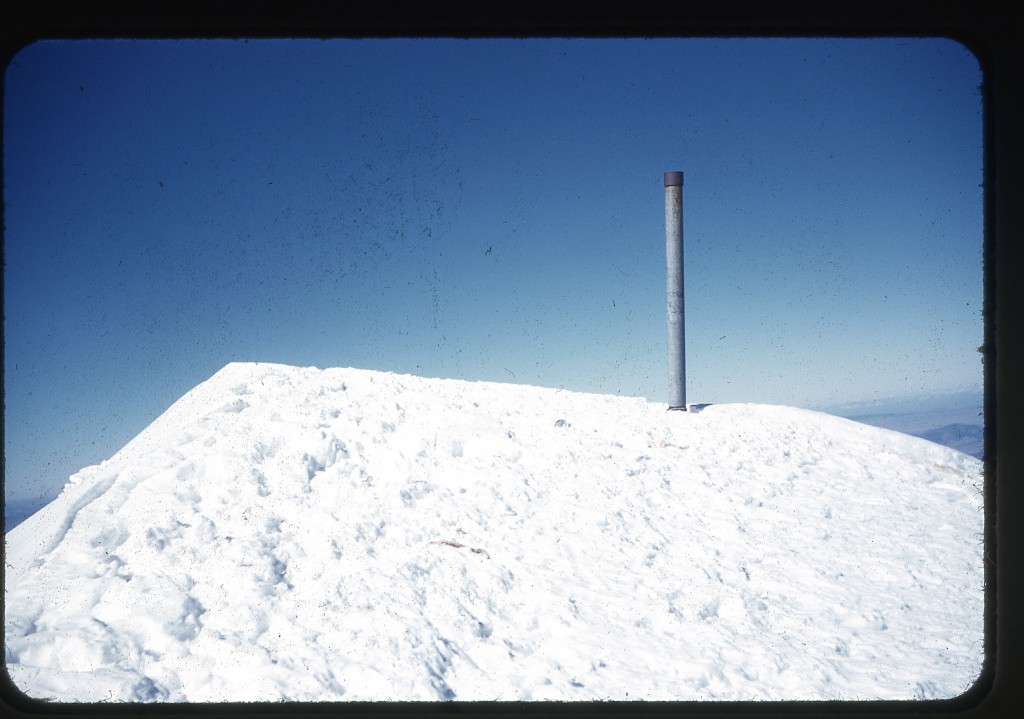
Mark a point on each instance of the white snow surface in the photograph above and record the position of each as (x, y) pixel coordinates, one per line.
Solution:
(300, 534)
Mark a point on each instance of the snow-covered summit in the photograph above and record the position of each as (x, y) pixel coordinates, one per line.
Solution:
(342, 534)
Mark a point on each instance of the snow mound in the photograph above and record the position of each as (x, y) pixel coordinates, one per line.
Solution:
(301, 534)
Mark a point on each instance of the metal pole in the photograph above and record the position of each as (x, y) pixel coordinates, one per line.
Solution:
(674, 277)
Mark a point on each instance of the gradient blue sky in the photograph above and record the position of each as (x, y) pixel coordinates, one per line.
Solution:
(485, 209)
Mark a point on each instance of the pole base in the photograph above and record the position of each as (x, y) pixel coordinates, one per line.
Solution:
(683, 408)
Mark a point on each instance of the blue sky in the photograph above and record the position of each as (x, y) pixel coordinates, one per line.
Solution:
(485, 209)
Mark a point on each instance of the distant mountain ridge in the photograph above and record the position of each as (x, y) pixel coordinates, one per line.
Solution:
(17, 511)
(966, 438)
(953, 428)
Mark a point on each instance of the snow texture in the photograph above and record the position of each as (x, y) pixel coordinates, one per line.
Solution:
(301, 534)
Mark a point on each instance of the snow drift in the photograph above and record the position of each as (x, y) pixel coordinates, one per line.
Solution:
(303, 534)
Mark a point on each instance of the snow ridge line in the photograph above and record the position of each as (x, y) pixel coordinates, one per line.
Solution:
(90, 495)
